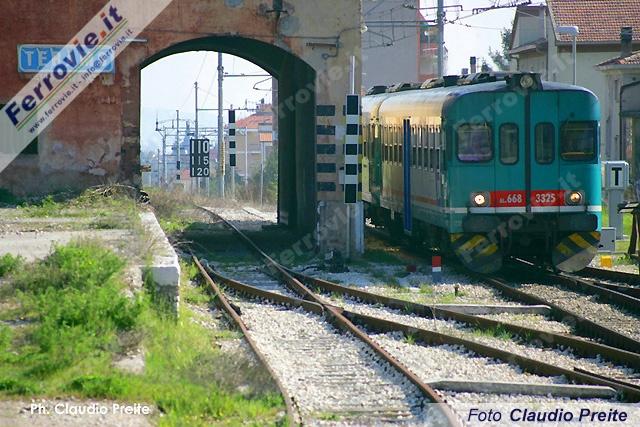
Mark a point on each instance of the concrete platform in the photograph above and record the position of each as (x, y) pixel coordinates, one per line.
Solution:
(479, 310)
(558, 390)
(164, 267)
(33, 245)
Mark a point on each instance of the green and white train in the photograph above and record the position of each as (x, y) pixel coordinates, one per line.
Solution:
(491, 165)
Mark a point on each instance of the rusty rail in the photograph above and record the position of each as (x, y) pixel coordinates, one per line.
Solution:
(549, 339)
(336, 317)
(630, 392)
(293, 415)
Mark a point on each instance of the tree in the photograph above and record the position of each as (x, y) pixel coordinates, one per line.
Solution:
(501, 57)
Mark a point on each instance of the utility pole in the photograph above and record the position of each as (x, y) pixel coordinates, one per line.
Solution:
(221, 150)
(440, 38)
(246, 158)
(178, 145)
(159, 179)
(195, 133)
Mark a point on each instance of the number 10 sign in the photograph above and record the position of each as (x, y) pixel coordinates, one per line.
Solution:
(199, 158)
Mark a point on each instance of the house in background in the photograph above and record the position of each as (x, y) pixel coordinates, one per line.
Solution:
(399, 44)
(622, 75)
(537, 46)
(254, 141)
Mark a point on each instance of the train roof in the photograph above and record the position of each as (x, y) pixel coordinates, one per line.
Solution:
(432, 102)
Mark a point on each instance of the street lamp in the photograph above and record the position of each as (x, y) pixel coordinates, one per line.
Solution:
(573, 31)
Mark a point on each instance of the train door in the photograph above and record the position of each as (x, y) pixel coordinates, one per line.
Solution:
(543, 182)
(510, 171)
(406, 173)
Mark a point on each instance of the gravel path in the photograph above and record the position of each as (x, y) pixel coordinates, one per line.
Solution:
(558, 357)
(589, 307)
(329, 373)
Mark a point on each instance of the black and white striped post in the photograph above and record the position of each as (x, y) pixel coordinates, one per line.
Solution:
(353, 175)
(232, 150)
(352, 185)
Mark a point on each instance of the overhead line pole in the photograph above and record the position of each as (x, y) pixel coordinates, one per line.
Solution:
(221, 151)
(440, 38)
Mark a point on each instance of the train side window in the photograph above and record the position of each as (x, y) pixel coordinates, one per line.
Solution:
(394, 157)
(398, 145)
(383, 142)
(545, 143)
(419, 160)
(432, 157)
(414, 146)
(509, 143)
(475, 143)
(392, 145)
(423, 144)
(578, 140)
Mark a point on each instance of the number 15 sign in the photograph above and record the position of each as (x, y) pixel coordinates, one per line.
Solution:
(199, 158)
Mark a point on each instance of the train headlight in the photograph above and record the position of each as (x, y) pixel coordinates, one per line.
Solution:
(480, 199)
(526, 81)
(574, 198)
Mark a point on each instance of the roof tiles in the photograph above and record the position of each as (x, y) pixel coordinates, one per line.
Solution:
(598, 20)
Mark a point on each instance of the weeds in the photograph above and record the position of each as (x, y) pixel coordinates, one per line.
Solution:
(10, 263)
(81, 317)
(337, 297)
(497, 332)
(426, 289)
(410, 339)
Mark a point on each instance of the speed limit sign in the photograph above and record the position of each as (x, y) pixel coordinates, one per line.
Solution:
(199, 158)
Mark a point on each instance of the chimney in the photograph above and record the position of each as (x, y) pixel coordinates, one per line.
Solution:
(626, 39)
(473, 62)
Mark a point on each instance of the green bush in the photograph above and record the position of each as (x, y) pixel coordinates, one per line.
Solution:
(95, 386)
(77, 299)
(79, 265)
(9, 264)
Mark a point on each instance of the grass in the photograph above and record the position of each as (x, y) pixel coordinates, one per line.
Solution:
(410, 339)
(81, 320)
(497, 332)
(9, 264)
(426, 289)
(112, 208)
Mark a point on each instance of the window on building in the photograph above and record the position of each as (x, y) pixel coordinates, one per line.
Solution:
(545, 143)
(578, 140)
(475, 143)
(509, 143)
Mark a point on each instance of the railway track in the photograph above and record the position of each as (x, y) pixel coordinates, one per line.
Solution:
(341, 355)
(619, 281)
(297, 286)
(610, 312)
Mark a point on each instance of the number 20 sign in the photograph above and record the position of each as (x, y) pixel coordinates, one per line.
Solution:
(199, 158)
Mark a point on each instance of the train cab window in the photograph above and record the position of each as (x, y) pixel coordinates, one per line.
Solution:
(545, 143)
(509, 143)
(578, 140)
(475, 143)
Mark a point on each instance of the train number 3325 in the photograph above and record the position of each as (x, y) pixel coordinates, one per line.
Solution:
(545, 198)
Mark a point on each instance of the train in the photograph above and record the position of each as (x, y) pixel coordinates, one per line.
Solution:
(487, 166)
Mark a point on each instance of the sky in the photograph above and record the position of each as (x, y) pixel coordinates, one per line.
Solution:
(168, 84)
